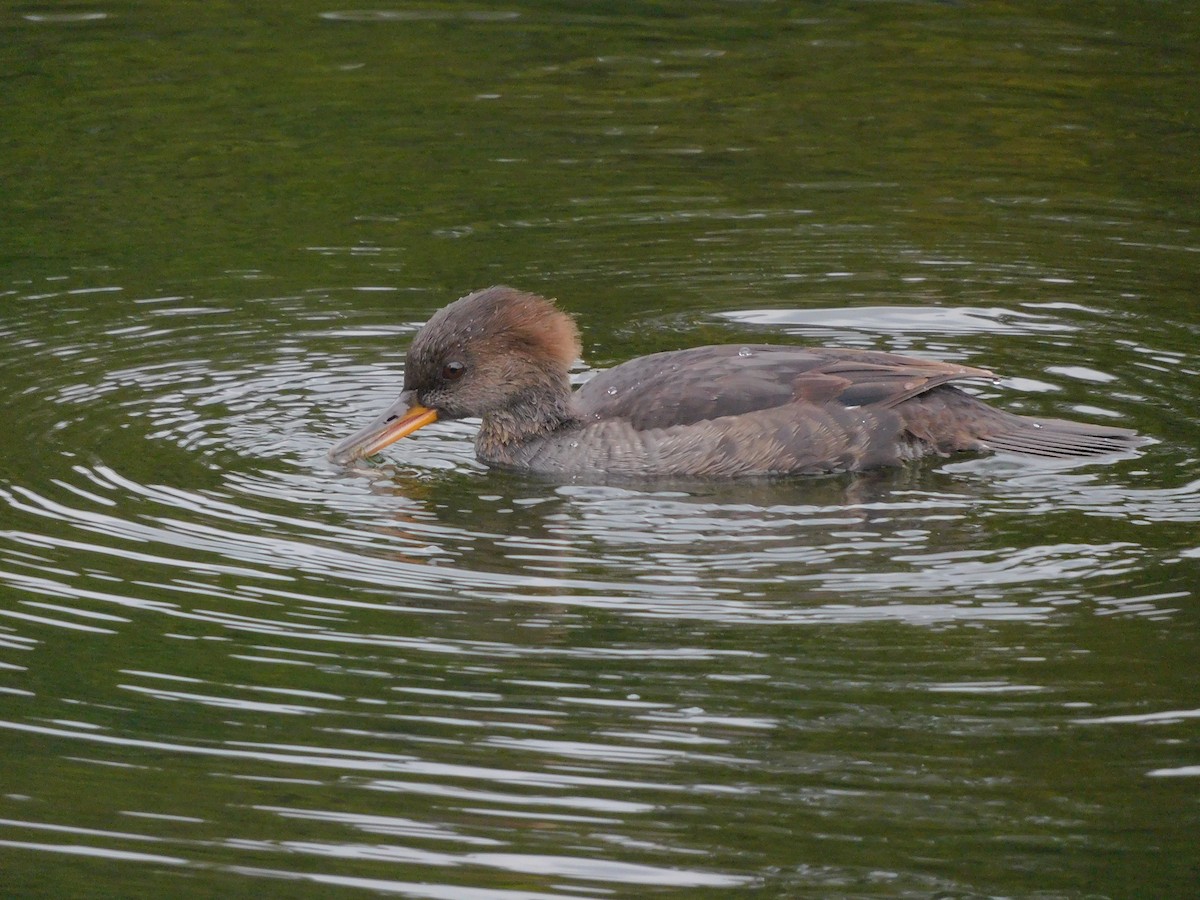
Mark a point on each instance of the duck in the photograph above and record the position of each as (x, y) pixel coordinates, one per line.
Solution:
(504, 356)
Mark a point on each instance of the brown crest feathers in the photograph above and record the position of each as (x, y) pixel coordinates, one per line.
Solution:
(523, 318)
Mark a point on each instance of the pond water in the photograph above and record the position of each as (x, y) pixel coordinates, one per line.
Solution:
(228, 666)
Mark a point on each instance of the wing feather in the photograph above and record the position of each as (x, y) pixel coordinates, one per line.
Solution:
(683, 387)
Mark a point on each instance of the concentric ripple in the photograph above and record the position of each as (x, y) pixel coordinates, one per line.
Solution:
(418, 663)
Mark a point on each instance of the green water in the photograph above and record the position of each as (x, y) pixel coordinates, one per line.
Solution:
(229, 667)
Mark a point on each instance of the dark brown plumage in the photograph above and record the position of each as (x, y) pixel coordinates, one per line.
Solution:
(724, 411)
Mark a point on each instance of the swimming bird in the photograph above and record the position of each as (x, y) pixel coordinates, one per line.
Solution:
(504, 356)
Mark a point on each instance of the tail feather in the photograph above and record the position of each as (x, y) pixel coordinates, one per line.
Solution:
(947, 420)
(1059, 438)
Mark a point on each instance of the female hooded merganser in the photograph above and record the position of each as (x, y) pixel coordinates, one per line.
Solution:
(504, 356)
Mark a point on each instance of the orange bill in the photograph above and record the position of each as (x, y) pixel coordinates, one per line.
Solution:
(399, 420)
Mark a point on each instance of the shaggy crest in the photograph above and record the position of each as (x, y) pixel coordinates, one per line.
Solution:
(506, 319)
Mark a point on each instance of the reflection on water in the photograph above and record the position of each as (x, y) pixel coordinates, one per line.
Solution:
(921, 320)
(227, 665)
(424, 667)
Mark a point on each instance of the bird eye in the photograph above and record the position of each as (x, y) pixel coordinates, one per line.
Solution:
(452, 371)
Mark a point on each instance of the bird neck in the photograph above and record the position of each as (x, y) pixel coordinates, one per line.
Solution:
(534, 413)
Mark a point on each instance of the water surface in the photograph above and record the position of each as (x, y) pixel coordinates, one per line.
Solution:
(227, 665)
